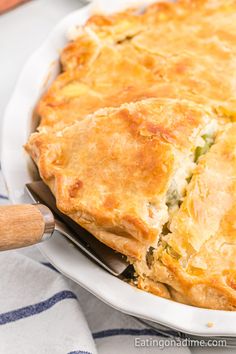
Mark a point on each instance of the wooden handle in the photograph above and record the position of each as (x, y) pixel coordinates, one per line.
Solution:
(24, 225)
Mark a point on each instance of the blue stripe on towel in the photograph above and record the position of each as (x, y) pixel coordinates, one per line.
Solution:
(79, 352)
(50, 266)
(35, 309)
(127, 332)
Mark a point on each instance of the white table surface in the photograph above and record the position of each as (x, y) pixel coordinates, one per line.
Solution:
(21, 33)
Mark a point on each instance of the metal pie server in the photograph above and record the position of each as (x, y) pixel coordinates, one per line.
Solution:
(27, 224)
(112, 261)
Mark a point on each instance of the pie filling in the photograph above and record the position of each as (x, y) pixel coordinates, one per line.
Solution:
(183, 175)
(177, 190)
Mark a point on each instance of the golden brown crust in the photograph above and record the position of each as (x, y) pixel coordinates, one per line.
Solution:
(184, 50)
(137, 90)
(111, 171)
(153, 287)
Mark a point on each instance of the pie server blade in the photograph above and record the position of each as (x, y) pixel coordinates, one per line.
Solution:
(112, 261)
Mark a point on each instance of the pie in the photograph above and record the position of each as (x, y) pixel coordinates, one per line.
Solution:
(137, 141)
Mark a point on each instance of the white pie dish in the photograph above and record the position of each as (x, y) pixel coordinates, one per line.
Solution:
(17, 170)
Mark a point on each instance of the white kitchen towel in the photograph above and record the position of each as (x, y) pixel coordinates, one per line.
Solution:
(42, 312)
(38, 311)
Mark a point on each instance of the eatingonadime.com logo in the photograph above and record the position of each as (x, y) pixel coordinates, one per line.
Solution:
(178, 342)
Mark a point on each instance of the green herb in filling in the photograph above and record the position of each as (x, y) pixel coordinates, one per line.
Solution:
(201, 150)
(170, 250)
(150, 257)
(172, 197)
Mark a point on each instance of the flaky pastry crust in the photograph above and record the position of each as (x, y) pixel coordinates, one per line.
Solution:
(111, 171)
(137, 142)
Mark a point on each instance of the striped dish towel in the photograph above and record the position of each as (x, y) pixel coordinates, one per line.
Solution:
(42, 312)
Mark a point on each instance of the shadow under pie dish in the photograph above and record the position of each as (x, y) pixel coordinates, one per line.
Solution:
(140, 151)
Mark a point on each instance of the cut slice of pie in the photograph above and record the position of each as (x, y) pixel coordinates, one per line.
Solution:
(115, 172)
